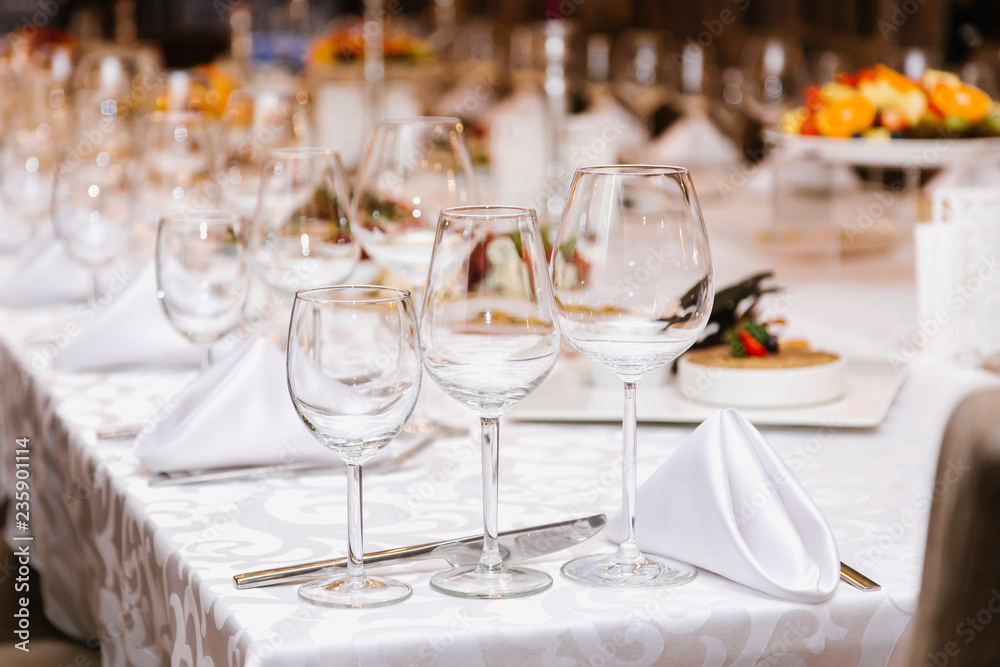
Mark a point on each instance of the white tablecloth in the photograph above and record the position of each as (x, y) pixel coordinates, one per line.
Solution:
(146, 572)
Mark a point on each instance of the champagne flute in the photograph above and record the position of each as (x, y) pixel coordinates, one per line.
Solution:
(490, 337)
(301, 233)
(257, 120)
(412, 168)
(93, 206)
(632, 277)
(201, 274)
(354, 376)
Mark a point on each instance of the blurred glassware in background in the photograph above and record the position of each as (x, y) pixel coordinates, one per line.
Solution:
(93, 207)
(258, 120)
(413, 168)
(36, 133)
(773, 75)
(643, 74)
(300, 235)
(177, 165)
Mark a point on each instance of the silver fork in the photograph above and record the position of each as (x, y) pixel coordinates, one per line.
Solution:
(432, 433)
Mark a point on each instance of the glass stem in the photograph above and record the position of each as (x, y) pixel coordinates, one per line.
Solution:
(490, 561)
(628, 553)
(95, 284)
(355, 539)
(206, 356)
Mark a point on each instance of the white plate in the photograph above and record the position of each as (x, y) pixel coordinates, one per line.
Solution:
(568, 396)
(922, 153)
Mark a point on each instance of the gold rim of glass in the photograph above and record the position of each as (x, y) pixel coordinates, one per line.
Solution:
(489, 212)
(634, 170)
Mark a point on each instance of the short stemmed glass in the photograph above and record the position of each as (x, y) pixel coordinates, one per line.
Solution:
(301, 233)
(354, 376)
(632, 278)
(93, 206)
(490, 337)
(412, 168)
(201, 274)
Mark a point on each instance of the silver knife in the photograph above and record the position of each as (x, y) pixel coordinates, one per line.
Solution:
(515, 546)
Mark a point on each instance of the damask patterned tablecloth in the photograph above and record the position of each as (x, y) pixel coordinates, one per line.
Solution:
(147, 572)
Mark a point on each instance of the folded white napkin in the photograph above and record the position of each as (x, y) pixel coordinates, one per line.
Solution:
(725, 502)
(235, 413)
(41, 273)
(128, 329)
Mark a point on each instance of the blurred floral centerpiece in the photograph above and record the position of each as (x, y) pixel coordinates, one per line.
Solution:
(335, 78)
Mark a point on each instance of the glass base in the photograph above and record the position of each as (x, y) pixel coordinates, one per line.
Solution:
(345, 593)
(600, 571)
(511, 582)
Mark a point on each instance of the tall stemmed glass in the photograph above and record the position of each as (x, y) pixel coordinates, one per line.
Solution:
(93, 206)
(632, 277)
(490, 337)
(201, 274)
(412, 168)
(354, 376)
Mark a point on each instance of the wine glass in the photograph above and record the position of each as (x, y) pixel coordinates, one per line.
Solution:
(490, 337)
(178, 163)
(201, 274)
(34, 137)
(257, 120)
(632, 277)
(642, 74)
(354, 376)
(93, 205)
(773, 70)
(412, 168)
(301, 234)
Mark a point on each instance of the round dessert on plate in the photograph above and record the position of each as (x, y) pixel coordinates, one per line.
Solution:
(793, 376)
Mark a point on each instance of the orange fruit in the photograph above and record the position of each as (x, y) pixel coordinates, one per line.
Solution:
(846, 117)
(965, 101)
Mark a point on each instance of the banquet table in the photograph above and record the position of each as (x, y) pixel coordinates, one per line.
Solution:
(146, 572)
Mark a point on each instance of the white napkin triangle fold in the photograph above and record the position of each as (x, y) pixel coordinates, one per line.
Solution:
(41, 273)
(128, 329)
(235, 413)
(724, 501)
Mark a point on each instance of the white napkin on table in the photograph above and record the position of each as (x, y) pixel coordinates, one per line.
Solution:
(131, 330)
(41, 273)
(725, 502)
(235, 413)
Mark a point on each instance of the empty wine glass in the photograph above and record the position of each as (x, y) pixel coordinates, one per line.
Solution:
(642, 73)
(412, 168)
(773, 70)
(178, 164)
(34, 137)
(489, 337)
(257, 120)
(93, 205)
(201, 274)
(354, 376)
(632, 278)
(301, 233)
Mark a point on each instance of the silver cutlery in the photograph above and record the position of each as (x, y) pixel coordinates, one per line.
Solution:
(856, 579)
(430, 435)
(515, 546)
